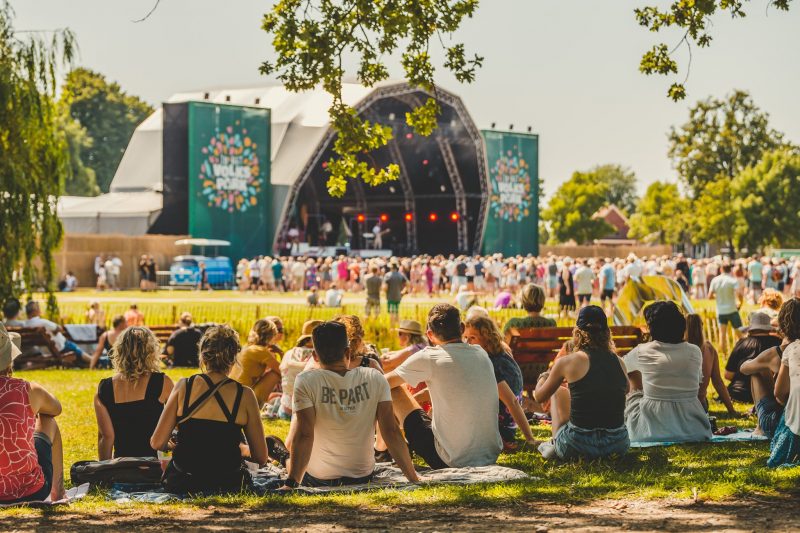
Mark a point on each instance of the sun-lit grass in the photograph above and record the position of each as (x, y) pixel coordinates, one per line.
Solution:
(715, 471)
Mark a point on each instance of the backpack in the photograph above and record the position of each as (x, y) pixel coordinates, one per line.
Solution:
(133, 470)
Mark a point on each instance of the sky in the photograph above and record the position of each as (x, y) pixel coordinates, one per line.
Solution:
(567, 68)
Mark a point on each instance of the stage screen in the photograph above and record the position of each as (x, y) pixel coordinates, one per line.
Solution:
(229, 177)
(512, 221)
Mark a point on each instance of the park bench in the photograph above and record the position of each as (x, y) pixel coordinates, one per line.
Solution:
(534, 349)
(32, 358)
(162, 332)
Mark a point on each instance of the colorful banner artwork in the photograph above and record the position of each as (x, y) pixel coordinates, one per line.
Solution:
(512, 222)
(229, 176)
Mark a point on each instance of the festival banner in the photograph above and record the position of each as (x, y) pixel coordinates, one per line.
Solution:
(512, 221)
(229, 177)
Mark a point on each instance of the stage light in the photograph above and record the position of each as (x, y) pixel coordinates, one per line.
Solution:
(409, 135)
(391, 116)
(324, 164)
(454, 216)
(409, 217)
(384, 217)
(424, 162)
(433, 217)
(360, 217)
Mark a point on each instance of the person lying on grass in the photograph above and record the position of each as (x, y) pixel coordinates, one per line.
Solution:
(335, 409)
(31, 455)
(785, 446)
(463, 391)
(588, 419)
(256, 366)
(129, 403)
(211, 411)
(665, 377)
(485, 333)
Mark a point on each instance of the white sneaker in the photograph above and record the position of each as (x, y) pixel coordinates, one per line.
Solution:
(548, 450)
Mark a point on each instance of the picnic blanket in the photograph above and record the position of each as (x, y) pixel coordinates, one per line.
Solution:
(740, 436)
(268, 479)
(75, 493)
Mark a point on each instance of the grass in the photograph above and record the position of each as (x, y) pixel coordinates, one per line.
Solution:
(715, 471)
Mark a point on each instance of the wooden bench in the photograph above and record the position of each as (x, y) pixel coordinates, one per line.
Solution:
(534, 349)
(162, 333)
(32, 358)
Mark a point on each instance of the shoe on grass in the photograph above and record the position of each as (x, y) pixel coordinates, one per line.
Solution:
(548, 450)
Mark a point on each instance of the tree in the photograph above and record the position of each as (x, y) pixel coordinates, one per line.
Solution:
(768, 201)
(109, 116)
(311, 37)
(660, 215)
(572, 207)
(714, 214)
(81, 180)
(34, 159)
(721, 138)
(621, 186)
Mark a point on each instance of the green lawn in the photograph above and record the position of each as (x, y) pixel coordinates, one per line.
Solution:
(715, 471)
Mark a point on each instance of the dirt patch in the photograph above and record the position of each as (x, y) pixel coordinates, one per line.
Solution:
(603, 515)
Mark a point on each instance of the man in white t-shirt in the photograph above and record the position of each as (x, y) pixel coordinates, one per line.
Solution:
(460, 377)
(336, 408)
(584, 277)
(729, 298)
(62, 344)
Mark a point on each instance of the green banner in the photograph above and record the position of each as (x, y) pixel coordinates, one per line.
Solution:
(512, 221)
(229, 177)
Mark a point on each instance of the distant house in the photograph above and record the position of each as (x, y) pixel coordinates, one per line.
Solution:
(615, 218)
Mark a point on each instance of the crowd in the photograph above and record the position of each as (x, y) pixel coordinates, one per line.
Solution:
(452, 395)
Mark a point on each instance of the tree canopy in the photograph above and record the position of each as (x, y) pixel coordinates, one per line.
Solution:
(721, 138)
(660, 215)
(34, 157)
(108, 116)
(570, 212)
(621, 186)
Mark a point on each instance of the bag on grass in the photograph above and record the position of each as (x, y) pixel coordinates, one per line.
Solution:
(133, 470)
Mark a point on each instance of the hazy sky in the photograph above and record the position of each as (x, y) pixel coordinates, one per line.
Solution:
(569, 68)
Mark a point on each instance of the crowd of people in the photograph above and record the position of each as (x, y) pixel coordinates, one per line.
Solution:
(452, 395)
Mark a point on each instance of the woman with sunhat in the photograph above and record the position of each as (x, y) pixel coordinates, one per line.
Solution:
(589, 421)
(31, 456)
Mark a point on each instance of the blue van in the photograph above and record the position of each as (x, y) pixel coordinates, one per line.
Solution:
(185, 271)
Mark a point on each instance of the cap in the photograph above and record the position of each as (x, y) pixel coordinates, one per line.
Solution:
(9, 347)
(592, 317)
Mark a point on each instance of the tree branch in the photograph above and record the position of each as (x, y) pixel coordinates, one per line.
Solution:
(152, 10)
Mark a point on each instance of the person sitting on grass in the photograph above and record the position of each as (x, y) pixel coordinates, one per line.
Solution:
(533, 299)
(293, 362)
(274, 347)
(336, 407)
(256, 366)
(106, 341)
(210, 411)
(763, 369)
(181, 347)
(31, 455)
(464, 428)
(711, 373)
(665, 376)
(485, 333)
(587, 419)
(785, 446)
(129, 404)
(412, 339)
(770, 303)
(759, 338)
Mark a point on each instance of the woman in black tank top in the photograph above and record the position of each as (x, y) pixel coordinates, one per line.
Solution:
(211, 411)
(589, 419)
(128, 414)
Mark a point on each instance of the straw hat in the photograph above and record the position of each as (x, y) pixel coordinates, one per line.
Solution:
(9, 347)
(305, 333)
(410, 326)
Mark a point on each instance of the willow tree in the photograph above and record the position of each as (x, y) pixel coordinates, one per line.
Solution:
(34, 157)
(311, 38)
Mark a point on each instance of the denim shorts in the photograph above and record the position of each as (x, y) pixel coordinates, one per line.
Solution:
(573, 442)
(769, 413)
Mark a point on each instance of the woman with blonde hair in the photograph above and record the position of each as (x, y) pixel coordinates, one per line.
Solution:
(533, 299)
(256, 366)
(210, 411)
(770, 304)
(129, 404)
(485, 333)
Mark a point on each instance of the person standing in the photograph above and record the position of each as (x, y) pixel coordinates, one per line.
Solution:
(395, 284)
(373, 282)
(755, 272)
(608, 283)
(729, 298)
(584, 277)
(566, 290)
